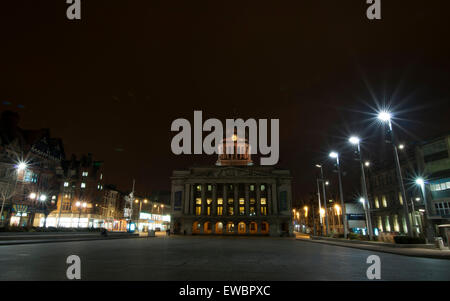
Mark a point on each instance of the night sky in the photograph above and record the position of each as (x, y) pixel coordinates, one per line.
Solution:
(112, 83)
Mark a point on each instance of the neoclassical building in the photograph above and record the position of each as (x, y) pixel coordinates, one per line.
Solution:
(232, 198)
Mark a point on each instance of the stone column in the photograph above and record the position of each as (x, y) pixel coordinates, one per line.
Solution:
(214, 200)
(247, 200)
(274, 199)
(258, 199)
(203, 199)
(247, 228)
(187, 198)
(191, 201)
(236, 200)
(213, 227)
(225, 200)
(258, 225)
(236, 227)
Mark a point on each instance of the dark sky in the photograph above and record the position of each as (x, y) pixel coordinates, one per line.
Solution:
(112, 83)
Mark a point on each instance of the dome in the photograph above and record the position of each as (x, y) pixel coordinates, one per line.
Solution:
(234, 150)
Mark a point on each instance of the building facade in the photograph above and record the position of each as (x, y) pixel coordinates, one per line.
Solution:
(233, 197)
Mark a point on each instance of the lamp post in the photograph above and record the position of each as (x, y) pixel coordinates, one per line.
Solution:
(324, 197)
(429, 230)
(80, 206)
(335, 155)
(356, 141)
(363, 202)
(385, 117)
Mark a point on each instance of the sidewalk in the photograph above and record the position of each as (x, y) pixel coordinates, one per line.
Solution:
(9, 238)
(428, 251)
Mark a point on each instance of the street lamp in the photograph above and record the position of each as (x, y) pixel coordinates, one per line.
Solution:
(385, 117)
(21, 166)
(335, 155)
(429, 230)
(356, 141)
(324, 196)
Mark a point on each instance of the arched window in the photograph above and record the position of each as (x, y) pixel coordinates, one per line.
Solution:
(242, 228)
(230, 227)
(219, 228)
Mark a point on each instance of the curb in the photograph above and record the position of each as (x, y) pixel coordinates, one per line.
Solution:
(367, 247)
(42, 241)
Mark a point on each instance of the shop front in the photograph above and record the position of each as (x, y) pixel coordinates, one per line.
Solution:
(155, 222)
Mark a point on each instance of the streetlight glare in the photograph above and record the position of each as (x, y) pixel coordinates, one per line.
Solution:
(362, 200)
(318, 165)
(401, 146)
(384, 116)
(354, 140)
(32, 195)
(420, 181)
(43, 197)
(21, 165)
(367, 163)
(333, 155)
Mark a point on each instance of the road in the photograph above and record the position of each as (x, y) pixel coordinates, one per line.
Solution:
(209, 258)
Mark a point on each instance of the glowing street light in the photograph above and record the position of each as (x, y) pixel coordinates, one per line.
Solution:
(367, 164)
(43, 197)
(354, 140)
(420, 182)
(21, 166)
(338, 209)
(335, 155)
(385, 117)
(32, 195)
(401, 146)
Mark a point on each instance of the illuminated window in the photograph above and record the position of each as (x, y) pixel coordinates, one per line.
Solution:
(219, 210)
(199, 187)
(252, 187)
(400, 198)
(198, 206)
(263, 187)
(263, 210)
(209, 187)
(396, 224)
(380, 223)
(388, 226)
(384, 201)
(230, 227)
(66, 184)
(263, 201)
(85, 174)
(219, 201)
(83, 185)
(377, 204)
